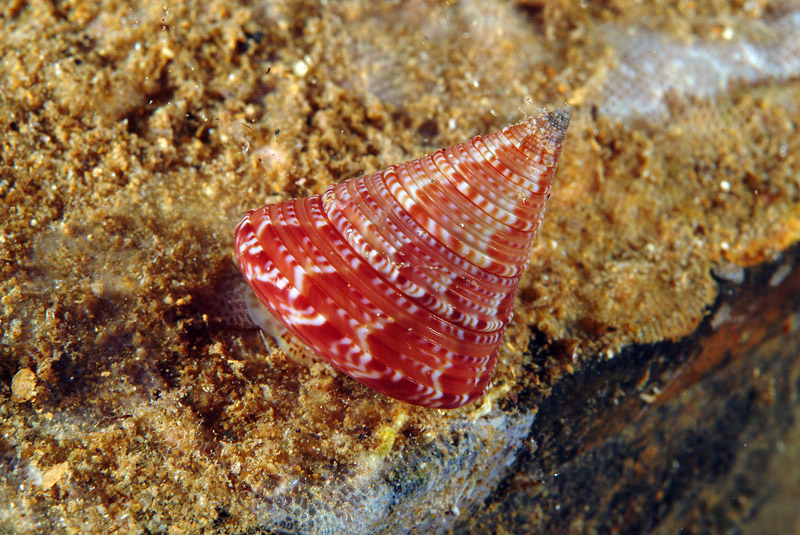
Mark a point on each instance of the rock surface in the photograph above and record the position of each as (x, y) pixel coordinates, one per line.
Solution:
(650, 377)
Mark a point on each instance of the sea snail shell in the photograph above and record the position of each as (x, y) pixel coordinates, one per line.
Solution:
(405, 279)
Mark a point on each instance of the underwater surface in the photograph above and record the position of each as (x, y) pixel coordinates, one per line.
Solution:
(648, 382)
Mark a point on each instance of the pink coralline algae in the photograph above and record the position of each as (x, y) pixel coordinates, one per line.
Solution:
(405, 279)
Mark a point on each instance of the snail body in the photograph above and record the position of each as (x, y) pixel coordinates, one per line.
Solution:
(405, 279)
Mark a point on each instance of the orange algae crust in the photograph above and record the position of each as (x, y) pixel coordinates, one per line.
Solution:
(134, 136)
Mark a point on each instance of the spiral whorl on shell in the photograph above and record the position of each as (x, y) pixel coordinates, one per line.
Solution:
(405, 279)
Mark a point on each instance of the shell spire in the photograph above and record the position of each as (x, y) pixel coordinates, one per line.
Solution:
(405, 279)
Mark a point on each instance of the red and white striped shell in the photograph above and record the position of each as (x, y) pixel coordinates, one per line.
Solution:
(405, 279)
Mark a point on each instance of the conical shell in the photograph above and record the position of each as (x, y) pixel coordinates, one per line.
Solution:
(405, 279)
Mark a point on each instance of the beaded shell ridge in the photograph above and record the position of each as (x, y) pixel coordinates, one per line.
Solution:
(405, 279)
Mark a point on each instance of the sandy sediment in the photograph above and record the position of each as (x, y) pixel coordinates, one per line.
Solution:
(133, 136)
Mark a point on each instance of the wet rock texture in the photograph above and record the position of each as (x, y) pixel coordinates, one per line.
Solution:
(649, 381)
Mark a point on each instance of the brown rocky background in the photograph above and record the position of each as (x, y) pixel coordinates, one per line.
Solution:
(650, 379)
